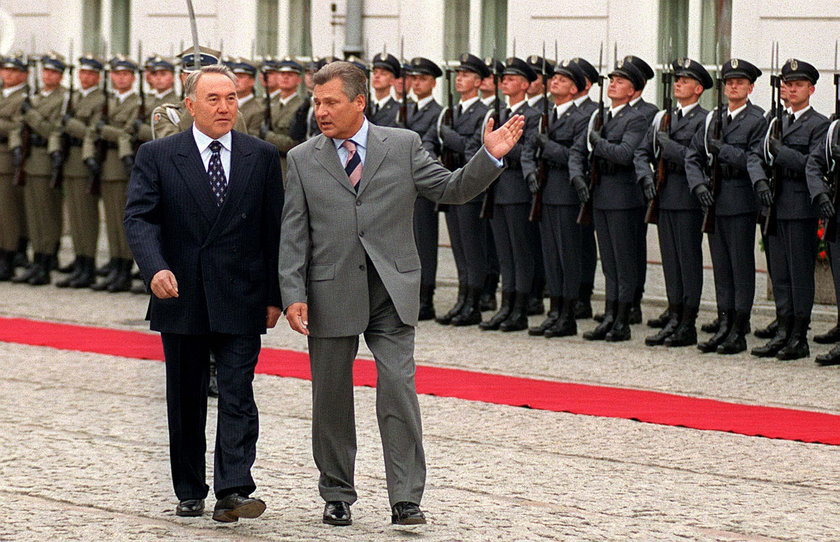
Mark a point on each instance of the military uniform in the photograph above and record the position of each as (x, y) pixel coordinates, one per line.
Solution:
(735, 210)
(618, 206)
(41, 199)
(12, 217)
(82, 205)
(385, 112)
(251, 108)
(680, 217)
(793, 244)
(283, 111)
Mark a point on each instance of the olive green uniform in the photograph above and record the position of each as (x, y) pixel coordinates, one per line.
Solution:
(253, 113)
(173, 118)
(12, 217)
(42, 201)
(282, 116)
(82, 205)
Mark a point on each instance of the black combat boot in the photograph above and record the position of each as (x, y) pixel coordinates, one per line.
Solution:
(41, 274)
(797, 346)
(635, 315)
(488, 294)
(71, 267)
(517, 320)
(566, 325)
(7, 269)
(114, 270)
(583, 308)
(122, 282)
(554, 304)
(713, 326)
(829, 359)
(427, 305)
(736, 341)
(20, 258)
(74, 273)
(686, 332)
(470, 315)
(784, 326)
(106, 269)
(504, 311)
(446, 319)
(770, 331)
(31, 269)
(601, 330)
(87, 273)
(534, 305)
(620, 330)
(831, 336)
(675, 316)
(724, 321)
(660, 321)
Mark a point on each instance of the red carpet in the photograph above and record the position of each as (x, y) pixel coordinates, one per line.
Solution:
(645, 406)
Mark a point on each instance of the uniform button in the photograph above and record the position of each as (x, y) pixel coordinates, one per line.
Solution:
(244, 215)
(358, 203)
(362, 267)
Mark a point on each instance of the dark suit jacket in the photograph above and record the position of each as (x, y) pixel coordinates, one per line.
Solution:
(387, 115)
(224, 258)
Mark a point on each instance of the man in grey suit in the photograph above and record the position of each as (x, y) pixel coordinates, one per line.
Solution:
(350, 266)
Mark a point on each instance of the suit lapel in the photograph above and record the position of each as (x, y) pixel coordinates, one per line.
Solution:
(376, 152)
(327, 156)
(241, 166)
(188, 164)
(799, 122)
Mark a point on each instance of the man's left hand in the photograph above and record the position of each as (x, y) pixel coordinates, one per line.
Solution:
(272, 315)
(499, 142)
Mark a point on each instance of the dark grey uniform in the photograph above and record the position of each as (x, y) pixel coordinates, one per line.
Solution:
(649, 111)
(588, 245)
(385, 115)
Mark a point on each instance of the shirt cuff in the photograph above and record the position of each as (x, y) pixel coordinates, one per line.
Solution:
(499, 163)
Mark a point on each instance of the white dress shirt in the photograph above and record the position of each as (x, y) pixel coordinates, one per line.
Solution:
(203, 141)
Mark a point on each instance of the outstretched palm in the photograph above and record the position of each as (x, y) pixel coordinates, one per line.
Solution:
(499, 142)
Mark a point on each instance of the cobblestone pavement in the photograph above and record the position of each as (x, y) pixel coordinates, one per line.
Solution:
(84, 445)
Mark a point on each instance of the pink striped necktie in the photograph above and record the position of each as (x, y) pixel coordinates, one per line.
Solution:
(353, 165)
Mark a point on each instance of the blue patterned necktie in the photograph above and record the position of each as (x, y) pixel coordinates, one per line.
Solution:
(218, 182)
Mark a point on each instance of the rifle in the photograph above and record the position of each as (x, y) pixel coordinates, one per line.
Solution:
(715, 173)
(267, 122)
(142, 118)
(57, 177)
(19, 178)
(489, 200)
(450, 159)
(402, 118)
(596, 123)
(652, 214)
(542, 166)
(101, 145)
(833, 176)
(774, 131)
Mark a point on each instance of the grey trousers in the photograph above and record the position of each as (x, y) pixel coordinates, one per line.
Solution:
(397, 408)
(793, 256)
(733, 259)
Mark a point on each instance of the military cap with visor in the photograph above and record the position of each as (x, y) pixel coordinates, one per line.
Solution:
(738, 68)
(53, 61)
(626, 69)
(388, 62)
(473, 64)
(207, 57)
(16, 61)
(424, 66)
(90, 62)
(797, 70)
(588, 69)
(572, 70)
(540, 66)
(685, 67)
(517, 66)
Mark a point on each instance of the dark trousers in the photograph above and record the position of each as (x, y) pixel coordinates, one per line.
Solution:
(681, 245)
(734, 262)
(454, 227)
(472, 240)
(641, 254)
(397, 408)
(187, 377)
(426, 237)
(589, 254)
(834, 262)
(793, 254)
(514, 249)
(618, 236)
(561, 249)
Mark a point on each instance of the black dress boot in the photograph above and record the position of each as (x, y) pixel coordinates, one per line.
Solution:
(102, 285)
(636, 308)
(77, 269)
(829, 359)
(770, 331)
(675, 316)
(446, 319)
(470, 315)
(41, 274)
(784, 326)
(72, 267)
(566, 325)
(660, 321)
(724, 321)
(554, 304)
(713, 326)
(31, 269)
(535, 305)
(736, 341)
(106, 269)
(7, 269)
(504, 311)
(427, 305)
(488, 293)
(686, 332)
(601, 330)
(797, 346)
(20, 257)
(583, 308)
(517, 320)
(621, 327)
(87, 273)
(122, 282)
(831, 336)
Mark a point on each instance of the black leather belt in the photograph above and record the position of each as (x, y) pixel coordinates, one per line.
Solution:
(732, 172)
(793, 174)
(75, 142)
(611, 168)
(675, 168)
(37, 141)
(111, 146)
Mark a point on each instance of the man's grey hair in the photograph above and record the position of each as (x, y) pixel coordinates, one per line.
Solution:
(353, 79)
(192, 79)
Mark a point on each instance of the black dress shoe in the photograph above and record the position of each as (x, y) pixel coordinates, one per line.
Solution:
(190, 508)
(337, 513)
(830, 337)
(407, 513)
(660, 321)
(235, 506)
(768, 332)
(830, 358)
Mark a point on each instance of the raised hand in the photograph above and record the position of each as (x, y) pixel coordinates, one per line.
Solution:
(499, 142)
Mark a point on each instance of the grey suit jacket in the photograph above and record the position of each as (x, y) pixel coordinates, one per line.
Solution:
(330, 229)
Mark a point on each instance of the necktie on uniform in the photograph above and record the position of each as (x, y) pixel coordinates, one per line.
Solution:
(353, 165)
(679, 114)
(218, 181)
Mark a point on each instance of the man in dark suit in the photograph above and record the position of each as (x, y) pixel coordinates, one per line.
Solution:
(203, 223)
(349, 266)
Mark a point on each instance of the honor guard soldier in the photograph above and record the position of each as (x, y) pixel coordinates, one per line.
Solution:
(66, 148)
(250, 107)
(161, 78)
(823, 163)
(617, 200)
(37, 119)
(421, 116)
(536, 92)
(584, 106)
(512, 202)
(680, 220)
(466, 230)
(559, 231)
(404, 85)
(793, 244)
(734, 205)
(14, 70)
(109, 156)
(283, 78)
(171, 118)
(383, 109)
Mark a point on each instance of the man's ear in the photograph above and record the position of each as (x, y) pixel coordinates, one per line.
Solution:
(190, 105)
